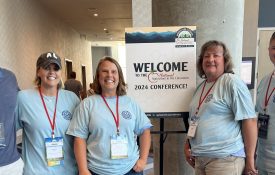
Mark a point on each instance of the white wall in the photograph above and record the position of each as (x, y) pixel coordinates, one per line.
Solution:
(251, 10)
(118, 52)
(27, 29)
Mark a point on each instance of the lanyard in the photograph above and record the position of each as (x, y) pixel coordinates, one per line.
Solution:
(45, 107)
(202, 99)
(266, 94)
(115, 118)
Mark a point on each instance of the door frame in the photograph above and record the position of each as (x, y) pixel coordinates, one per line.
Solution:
(67, 74)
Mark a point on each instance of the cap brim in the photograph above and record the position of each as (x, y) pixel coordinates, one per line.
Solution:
(46, 64)
(56, 62)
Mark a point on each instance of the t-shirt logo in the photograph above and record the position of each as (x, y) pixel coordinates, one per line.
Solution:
(209, 98)
(126, 115)
(67, 115)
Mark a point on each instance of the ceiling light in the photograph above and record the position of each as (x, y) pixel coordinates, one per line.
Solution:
(95, 14)
(104, 29)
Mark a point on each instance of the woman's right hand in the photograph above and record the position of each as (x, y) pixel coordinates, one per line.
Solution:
(189, 158)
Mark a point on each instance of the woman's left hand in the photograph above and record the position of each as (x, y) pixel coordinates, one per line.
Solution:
(140, 165)
(189, 158)
(250, 169)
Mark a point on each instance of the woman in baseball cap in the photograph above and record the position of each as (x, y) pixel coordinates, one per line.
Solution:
(44, 114)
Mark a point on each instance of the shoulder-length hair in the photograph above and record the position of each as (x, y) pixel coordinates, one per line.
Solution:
(121, 88)
(228, 64)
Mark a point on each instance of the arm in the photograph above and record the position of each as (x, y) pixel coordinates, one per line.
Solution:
(187, 151)
(81, 156)
(249, 132)
(145, 143)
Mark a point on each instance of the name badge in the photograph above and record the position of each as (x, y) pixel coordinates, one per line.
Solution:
(2, 136)
(119, 147)
(193, 126)
(263, 120)
(54, 151)
(192, 129)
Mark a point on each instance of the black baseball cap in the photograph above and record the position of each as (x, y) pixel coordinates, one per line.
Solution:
(45, 59)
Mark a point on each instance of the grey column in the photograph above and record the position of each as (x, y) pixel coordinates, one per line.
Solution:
(142, 13)
(215, 19)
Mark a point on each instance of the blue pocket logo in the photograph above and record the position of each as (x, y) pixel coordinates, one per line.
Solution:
(67, 115)
(126, 114)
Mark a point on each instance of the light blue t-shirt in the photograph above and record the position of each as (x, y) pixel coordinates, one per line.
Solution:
(32, 118)
(266, 147)
(94, 122)
(219, 131)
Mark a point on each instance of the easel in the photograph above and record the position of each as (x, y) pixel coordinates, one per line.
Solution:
(162, 116)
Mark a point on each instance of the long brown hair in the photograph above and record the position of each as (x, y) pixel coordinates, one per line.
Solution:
(121, 88)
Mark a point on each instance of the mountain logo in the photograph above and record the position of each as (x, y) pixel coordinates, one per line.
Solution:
(185, 37)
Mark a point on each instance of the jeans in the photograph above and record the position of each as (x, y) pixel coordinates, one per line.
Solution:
(131, 172)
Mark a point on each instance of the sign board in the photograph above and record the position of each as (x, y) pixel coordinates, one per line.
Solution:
(161, 68)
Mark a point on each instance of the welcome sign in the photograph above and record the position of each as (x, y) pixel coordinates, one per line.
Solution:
(161, 68)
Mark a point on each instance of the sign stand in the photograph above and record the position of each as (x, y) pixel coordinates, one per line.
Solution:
(163, 132)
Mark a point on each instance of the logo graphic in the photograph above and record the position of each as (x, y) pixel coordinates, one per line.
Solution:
(127, 115)
(209, 98)
(67, 115)
(184, 33)
(185, 38)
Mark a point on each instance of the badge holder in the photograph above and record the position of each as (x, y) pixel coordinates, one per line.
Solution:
(54, 151)
(192, 127)
(263, 120)
(119, 147)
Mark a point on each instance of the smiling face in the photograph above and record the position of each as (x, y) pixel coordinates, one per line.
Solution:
(50, 76)
(108, 78)
(213, 63)
(271, 50)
